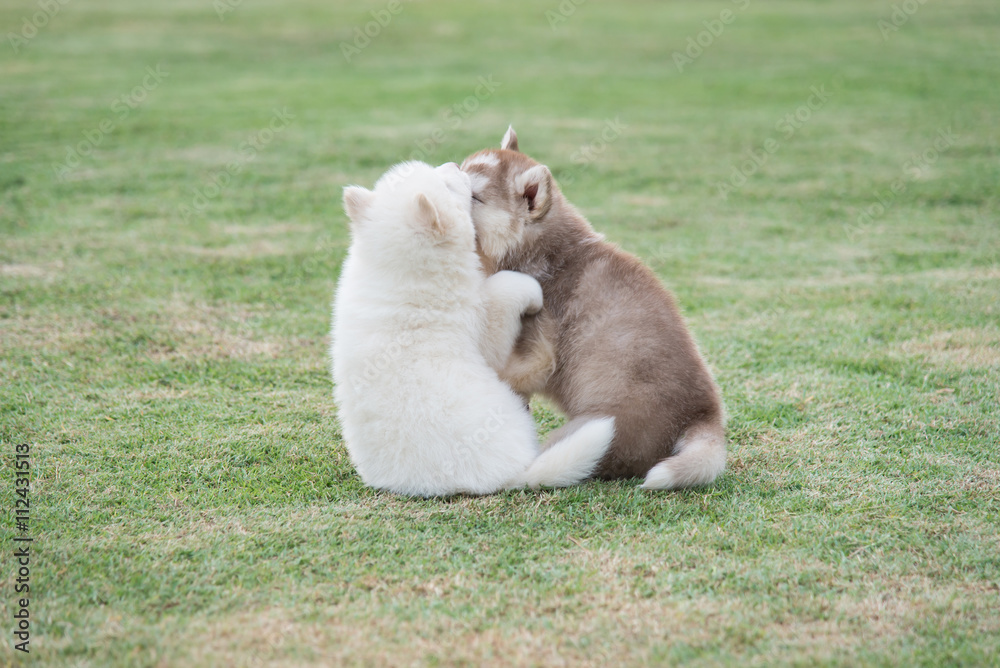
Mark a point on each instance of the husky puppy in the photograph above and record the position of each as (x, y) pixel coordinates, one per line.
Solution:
(621, 347)
(418, 331)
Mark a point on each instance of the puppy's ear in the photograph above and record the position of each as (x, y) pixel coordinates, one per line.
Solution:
(428, 217)
(535, 186)
(509, 140)
(356, 202)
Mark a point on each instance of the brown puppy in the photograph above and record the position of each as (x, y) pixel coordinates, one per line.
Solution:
(609, 341)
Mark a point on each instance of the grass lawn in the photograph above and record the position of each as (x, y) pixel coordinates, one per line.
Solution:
(819, 189)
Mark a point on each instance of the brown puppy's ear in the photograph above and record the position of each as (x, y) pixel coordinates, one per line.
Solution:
(427, 216)
(535, 186)
(509, 140)
(356, 202)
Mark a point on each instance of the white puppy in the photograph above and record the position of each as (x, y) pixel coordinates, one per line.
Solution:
(418, 332)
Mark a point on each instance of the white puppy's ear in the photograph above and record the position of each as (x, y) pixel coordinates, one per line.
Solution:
(356, 202)
(535, 186)
(428, 217)
(509, 140)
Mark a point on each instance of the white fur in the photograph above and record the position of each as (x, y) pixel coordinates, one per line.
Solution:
(573, 458)
(698, 459)
(479, 180)
(509, 140)
(415, 324)
(487, 159)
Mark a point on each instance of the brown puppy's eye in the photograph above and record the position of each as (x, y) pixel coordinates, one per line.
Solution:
(475, 198)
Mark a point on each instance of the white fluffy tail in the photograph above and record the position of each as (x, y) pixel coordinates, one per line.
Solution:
(699, 457)
(572, 459)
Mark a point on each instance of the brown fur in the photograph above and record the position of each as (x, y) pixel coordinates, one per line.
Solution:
(620, 345)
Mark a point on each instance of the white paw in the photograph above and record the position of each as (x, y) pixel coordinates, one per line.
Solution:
(521, 288)
(534, 295)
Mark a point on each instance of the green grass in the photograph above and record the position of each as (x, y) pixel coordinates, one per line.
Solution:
(193, 503)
